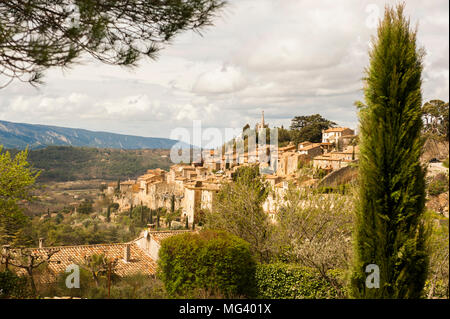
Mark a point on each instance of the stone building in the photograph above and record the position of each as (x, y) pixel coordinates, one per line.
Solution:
(332, 134)
(262, 124)
(336, 160)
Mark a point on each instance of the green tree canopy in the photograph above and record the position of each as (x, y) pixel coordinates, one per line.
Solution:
(390, 232)
(16, 181)
(215, 262)
(436, 118)
(238, 210)
(38, 34)
(309, 127)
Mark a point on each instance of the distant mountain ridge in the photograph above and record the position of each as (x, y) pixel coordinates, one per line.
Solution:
(19, 135)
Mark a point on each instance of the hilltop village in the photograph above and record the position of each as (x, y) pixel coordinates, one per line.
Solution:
(189, 191)
(191, 188)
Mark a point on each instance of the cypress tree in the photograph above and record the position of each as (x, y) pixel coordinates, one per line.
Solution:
(157, 219)
(390, 229)
(172, 203)
(131, 211)
(108, 214)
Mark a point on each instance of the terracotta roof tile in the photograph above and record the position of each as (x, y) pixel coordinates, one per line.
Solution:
(139, 261)
(158, 236)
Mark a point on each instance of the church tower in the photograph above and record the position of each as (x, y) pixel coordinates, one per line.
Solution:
(262, 119)
(261, 125)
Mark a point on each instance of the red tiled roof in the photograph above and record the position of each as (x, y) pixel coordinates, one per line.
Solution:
(139, 261)
(158, 236)
(336, 129)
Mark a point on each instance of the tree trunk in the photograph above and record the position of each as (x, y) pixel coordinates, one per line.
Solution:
(32, 283)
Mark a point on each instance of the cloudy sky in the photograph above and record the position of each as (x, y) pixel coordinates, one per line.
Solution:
(286, 57)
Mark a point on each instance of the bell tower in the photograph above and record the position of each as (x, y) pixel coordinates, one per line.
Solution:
(262, 120)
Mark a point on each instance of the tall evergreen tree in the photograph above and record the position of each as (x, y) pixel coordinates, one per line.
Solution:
(108, 214)
(390, 229)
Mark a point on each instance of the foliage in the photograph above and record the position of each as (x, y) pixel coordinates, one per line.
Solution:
(291, 281)
(140, 216)
(437, 284)
(214, 261)
(136, 286)
(37, 34)
(28, 260)
(85, 230)
(436, 117)
(17, 179)
(314, 230)
(67, 163)
(99, 266)
(13, 286)
(237, 208)
(85, 207)
(173, 215)
(438, 184)
(319, 173)
(390, 230)
(309, 128)
(445, 162)
(341, 189)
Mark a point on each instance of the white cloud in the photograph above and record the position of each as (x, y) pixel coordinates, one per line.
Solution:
(225, 79)
(285, 57)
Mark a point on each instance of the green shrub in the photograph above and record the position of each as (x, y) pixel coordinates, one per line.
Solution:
(13, 286)
(340, 189)
(438, 185)
(213, 261)
(319, 173)
(445, 162)
(85, 207)
(288, 281)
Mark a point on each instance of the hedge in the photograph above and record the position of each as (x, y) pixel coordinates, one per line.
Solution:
(13, 286)
(288, 281)
(213, 261)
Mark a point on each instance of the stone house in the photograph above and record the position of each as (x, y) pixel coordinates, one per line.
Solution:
(310, 149)
(332, 134)
(198, 196)
(127, 186)
(336, 160)
(288, 163)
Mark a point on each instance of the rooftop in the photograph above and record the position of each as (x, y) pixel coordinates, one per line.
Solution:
(139, 261)
(336, 129)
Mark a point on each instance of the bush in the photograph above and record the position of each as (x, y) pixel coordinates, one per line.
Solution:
(13, 286)
(85, 207)
(445, 162)
(319, 173)
(340, 189)
(138, 286)
(438, 185)
(288, 281)
(213, 261)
